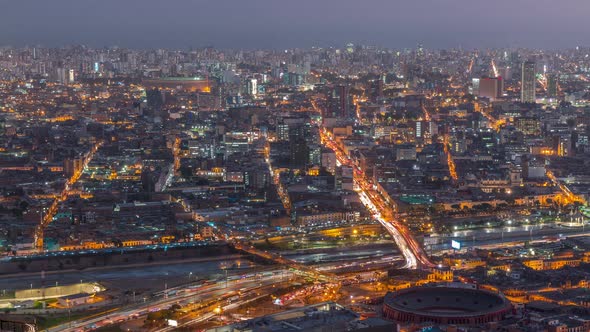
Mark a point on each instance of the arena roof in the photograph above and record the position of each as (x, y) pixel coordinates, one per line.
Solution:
(446, 301)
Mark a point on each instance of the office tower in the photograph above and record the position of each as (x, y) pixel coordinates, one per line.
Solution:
(71, 76)
(298, 148)
(475, 86)
(491, 87)
(283, 132)
(552, 85)
(315, 154)
(375, 89)
(418, 129)
(155, 100)
(61, 75)
(298, 153)
(340, 102)
(527, 83)
(252, 86)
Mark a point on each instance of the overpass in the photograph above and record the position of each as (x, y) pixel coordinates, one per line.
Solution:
(301, 268)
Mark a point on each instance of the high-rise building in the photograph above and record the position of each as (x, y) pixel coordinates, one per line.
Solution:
(155, 99)
(375, 89)
(61, 75)
(491, 87)
(283, 132)
(252, 86)
(298, 149)
(527, 83)
(552, 85)
(71, 76)
(340, 103)
(475, 86)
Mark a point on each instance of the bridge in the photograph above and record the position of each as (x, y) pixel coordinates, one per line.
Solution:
(272, 257)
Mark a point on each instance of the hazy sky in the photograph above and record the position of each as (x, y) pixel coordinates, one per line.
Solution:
(296, 23)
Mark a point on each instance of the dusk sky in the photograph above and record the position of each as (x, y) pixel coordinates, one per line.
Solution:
(545, 24)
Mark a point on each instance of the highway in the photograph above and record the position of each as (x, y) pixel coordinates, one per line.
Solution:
(303, 269)
(383, 209)
(215, 294)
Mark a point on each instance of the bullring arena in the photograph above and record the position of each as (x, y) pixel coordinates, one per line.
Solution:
(445, 305)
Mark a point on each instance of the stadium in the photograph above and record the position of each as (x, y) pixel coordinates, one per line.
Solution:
(445, 305)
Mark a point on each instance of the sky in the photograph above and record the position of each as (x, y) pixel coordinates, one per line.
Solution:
(277, 24)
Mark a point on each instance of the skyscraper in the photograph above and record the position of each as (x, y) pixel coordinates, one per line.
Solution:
(527, 83)
(344, 103)
(491, 87)
(552, 85)
(252, 86)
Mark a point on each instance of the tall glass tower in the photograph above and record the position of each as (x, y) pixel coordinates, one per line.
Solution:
(527, 83)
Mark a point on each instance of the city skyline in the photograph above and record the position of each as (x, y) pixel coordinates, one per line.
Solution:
(261, 166)
(268, 24)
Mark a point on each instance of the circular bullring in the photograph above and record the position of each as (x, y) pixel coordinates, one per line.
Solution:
(445, 305)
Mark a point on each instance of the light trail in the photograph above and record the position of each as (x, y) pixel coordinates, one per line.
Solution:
(382, 210)
(495, 69)
(450, 161)
(494, 123)
(470, 67)
(66, 192)
(276, 177)
(220, 291)
(427, 116)
(542, 81)
(569, 196)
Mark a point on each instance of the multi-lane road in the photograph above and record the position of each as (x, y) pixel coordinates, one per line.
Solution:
(222, 294)
(382, 209)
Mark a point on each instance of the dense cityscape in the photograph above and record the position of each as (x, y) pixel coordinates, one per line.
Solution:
(346, 188)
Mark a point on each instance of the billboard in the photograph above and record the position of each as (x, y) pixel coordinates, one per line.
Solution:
(455, 244)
